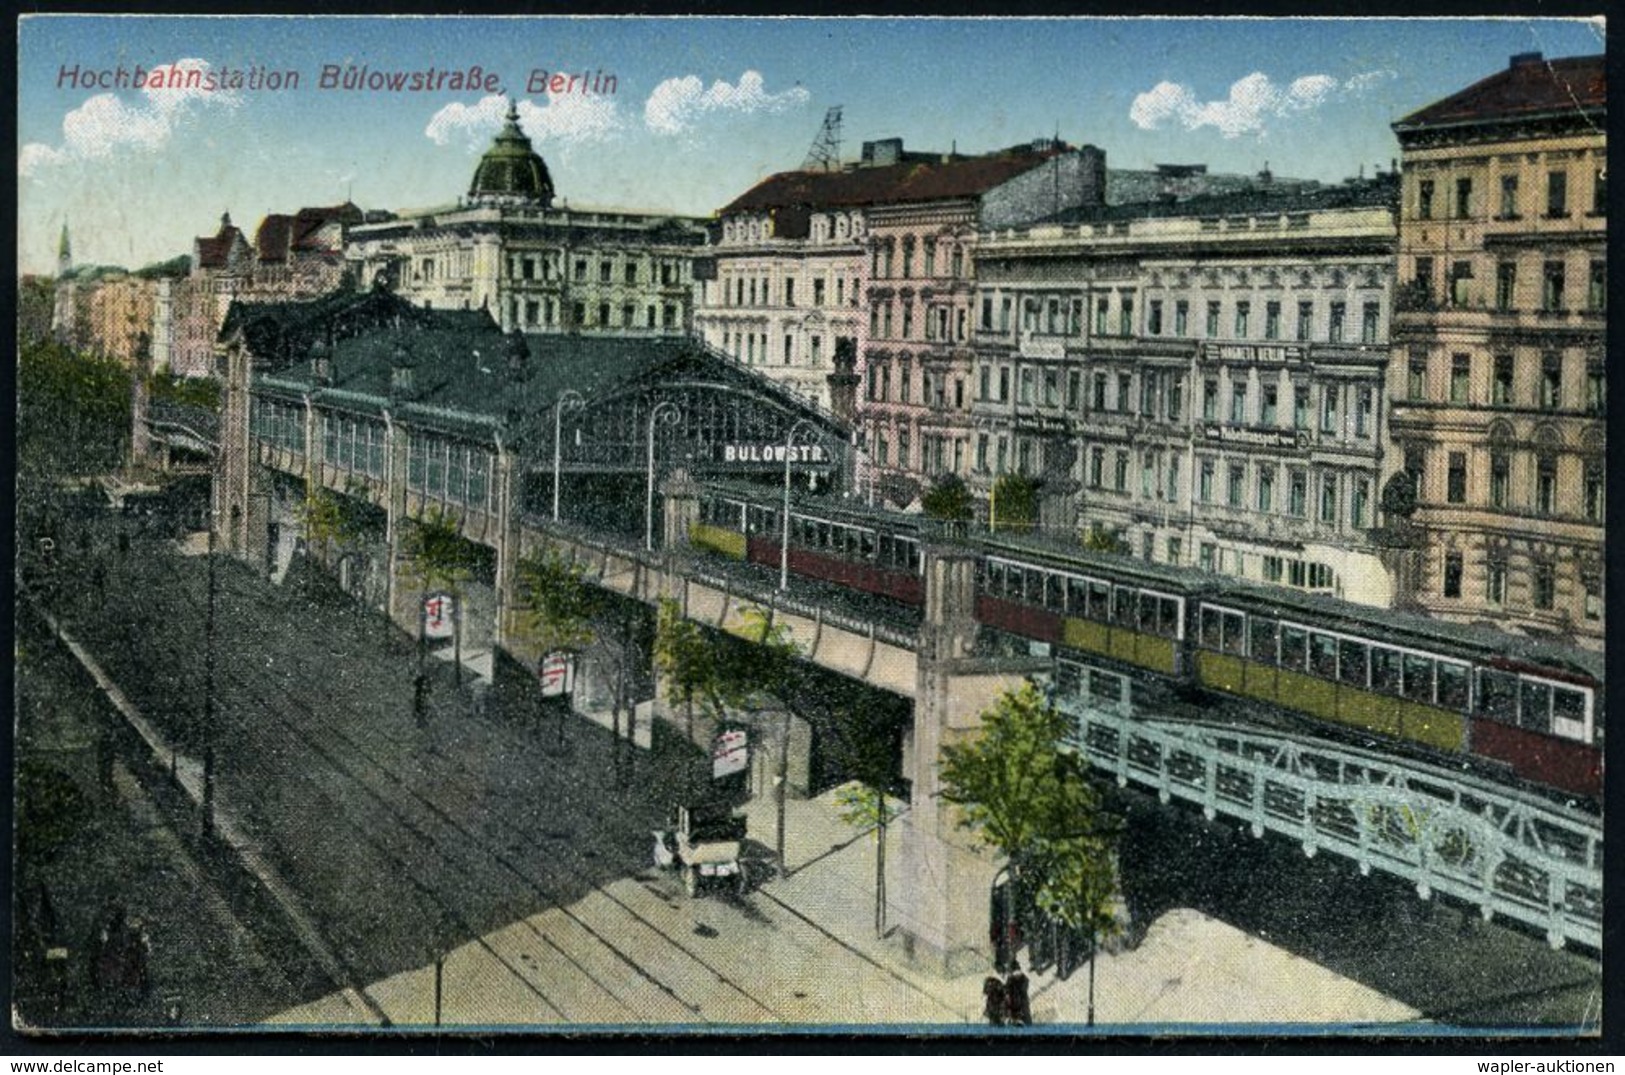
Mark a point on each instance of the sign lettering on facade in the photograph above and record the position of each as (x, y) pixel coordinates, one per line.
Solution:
(1268, 438)
(558, 674)
(1252, 352)
(730, 753)
(439, 614)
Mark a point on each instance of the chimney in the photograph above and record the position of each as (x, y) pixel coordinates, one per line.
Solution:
(1524, 59)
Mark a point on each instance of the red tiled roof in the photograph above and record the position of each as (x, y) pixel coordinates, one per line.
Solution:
(271, 241)
(212, 251)
(1531, 86)
(909, 181)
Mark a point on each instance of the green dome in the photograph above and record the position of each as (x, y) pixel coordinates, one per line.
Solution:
(510, 169)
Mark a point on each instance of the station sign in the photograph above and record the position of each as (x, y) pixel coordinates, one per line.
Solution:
(772, 453)
(1252, 352)
(557, 671)
(1262, 438)
(439, 615)
(730, 753)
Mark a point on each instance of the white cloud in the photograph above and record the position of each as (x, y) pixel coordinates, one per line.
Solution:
(566, 118)
(1253, 102)
(107, 124)
(677, 104)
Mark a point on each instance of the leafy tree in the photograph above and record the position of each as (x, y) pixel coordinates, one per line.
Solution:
(328, 523)
(1014, 504)
(1030, 797)
(865, 806)
(1399, 496)
(201, 392)
(556, 605)
(73, 410)
(949, 500)
(438, 557)
(1105, 539)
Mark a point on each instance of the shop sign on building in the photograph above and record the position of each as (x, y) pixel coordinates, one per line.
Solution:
(558, 674)
(1251, 352)
(1262, 438)
(730, 753)
(439, 615)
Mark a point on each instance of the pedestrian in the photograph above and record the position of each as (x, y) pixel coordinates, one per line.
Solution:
(994, 1003)
(1018, 1009)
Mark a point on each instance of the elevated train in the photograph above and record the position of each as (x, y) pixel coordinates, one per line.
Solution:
(1508, 702)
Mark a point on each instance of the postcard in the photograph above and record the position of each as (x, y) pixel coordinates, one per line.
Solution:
(985, 527)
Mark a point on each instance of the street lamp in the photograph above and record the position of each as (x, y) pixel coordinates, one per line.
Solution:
(571, 399)
(208, 692)
(784, 543)
(665, 411)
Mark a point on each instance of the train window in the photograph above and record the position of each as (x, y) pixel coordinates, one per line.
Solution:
(1077, 596)
(1123, 606)
(823, 535)
(1535, 711)
(1322, 656)
(1055, 593)
(1209, 637)
(1568, 705)
(1033, 593)
(914, 561)
(1418, 677)
(1351, 659)
(1167, 617)
(1294, 647)
(1498, 695)
(1261, 641)
(1453, 686)
(1014, 582)
(1235, 633)
(1149, 607)
(995, 569)
(866, 544)
(1385, 671)
(1100, 595)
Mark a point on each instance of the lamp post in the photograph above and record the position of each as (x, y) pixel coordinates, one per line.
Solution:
(784, 542)
(665, 411)
(208, 692)
(568, 399)
(1094, 937)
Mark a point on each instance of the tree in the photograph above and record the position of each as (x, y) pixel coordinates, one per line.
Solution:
(1024, 793)
(327, 522)
(438, 557)
(556, 610)
(949, 500)
(1014, 504)
(1105, 539)
(866, 806)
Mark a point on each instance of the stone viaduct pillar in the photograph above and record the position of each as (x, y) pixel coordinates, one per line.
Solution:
(941, 896)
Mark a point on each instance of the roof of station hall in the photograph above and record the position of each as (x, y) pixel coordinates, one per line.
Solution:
(461, 360)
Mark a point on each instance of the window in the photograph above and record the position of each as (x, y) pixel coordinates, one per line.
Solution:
(1125, 317)
(930, 258)
(1266, 487)
(1243, 311)
(1306, 320)
(1361, 501)
(1328, 498)
(1551, 382)
(1004, 383)
(987, 314)
(1238, 403)
(1364, 401)
(1026, 391)
(1098, 393)
(1464, 197)
(1597, 288)
(908, 320)
(1596, 390)
(1300, 406)
(1557, 194)
(1328, 408)
(1509, 197)
(1461, 368)
(603, 313)
(1120, 472)
(1416, 377)
(904, 456)
(1546, 485)
(1148, 394)
(1272, 573)
(1004, 315)
(1551, 295)
(905, 381)
(1204, 489)
(1148, 476)
(1176, 397)
(1266, 410)
(1182, 310)
(1423, 278)
(1205, 556)
(1052, 388)
(1236, 486)
(1495, 581)
(1334, 330)
(1370, 322)
(1102, 308)
(1073, 391)
(1506, 280)
(981, 452)
(1297, 493)
(1501, 384)
(1210, 400)
(1212, 319)
(1456, 479)
(1424, 199)
(1097, 461)
(1416, 468)
(1545, 585)
(1500, 479)
(1174, 550)
(1461, 275)
(1272, 320)
(1153, 324)
(1124, 386)
(1599, 192)
(1024, 455)
(1172, 492)
(983, 377)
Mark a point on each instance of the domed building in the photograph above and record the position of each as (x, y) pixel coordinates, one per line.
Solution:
(536, 266)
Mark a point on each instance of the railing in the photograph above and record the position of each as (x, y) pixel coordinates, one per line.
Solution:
(1507, 852)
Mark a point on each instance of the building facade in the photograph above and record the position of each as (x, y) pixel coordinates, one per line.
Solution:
(537, 267)
(1200, 383)
(1497, 379)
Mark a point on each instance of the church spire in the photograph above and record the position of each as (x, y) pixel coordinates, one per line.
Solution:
(64, 252)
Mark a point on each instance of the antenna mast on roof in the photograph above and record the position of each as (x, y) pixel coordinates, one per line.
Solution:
(825, 153)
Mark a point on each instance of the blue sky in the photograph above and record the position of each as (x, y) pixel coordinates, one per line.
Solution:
(702, 108)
